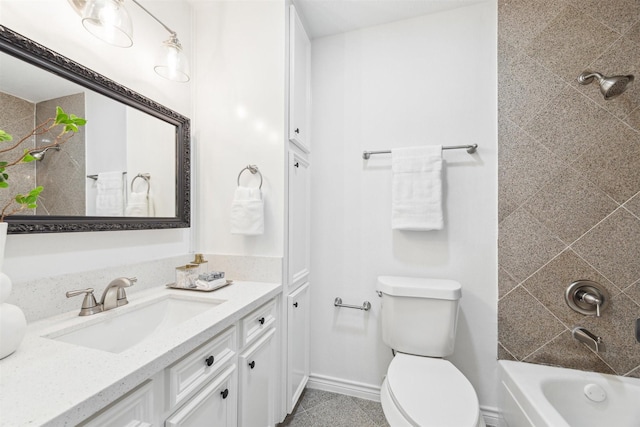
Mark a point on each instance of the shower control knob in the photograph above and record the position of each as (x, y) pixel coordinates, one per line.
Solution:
(209, 360)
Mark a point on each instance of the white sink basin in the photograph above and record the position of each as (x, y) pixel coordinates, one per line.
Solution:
(121, 328)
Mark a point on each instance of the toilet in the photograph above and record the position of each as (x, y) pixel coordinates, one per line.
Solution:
(419, 319)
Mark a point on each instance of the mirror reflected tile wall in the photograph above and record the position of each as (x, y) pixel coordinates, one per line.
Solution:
(66, 167)
(569, 180)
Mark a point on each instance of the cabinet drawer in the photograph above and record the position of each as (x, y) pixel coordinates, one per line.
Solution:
(253, 324)
(135, 409)
(190, 373)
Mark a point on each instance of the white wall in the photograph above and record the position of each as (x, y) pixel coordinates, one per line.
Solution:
(422, 81)
(54, 24)
(239, 70)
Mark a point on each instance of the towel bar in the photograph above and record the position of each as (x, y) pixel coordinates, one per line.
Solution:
(470, 149)
(366, 306)
(95, 176)
(254, 170)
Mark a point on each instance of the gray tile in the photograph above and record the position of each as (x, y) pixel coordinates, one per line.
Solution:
(524, 245)
(633, 119)
(550, 282)
(570, 205)
(616, 327)
(503, 353)
(524, 325)
(614, 164)
(622, 58)
(633, 205)
(525, 165)
(635, 373)
(505, 282)
(570, 41)
(311, 398)
(633, 292)
(567, 352)
(340, 411)
(373, 410)
(619, 15)
(522, 92)
(520, 21)
(612, 247)
(634, 32)
(571, 124)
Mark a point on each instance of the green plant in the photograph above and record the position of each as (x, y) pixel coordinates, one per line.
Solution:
(68, 123)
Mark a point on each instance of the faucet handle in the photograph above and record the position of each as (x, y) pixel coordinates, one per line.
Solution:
(89, 303)
(122, 295)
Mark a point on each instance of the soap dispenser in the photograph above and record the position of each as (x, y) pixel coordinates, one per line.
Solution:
(203, 264)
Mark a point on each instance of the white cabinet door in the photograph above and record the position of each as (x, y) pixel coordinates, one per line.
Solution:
(299, 83)
(214, 406)
(297, 344)
(299, 220)
(258, 370)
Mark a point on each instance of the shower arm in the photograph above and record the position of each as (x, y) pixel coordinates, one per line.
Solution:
(587, 77)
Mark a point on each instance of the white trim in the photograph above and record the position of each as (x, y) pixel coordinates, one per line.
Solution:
(349, 388)
(491, 416)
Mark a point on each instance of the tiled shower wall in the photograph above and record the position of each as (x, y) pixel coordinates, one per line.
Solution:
(569, 180)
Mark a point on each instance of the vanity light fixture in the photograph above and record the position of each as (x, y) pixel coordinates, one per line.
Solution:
(109, 20)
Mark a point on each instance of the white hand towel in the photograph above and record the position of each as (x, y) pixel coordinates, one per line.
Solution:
(138, 205)
(247, 212)
(110, 195)
(417, 188)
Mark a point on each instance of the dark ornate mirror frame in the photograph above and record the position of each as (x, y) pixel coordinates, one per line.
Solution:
(23, 48)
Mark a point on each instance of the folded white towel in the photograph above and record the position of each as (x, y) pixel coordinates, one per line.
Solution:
(110, 194)
(247, 212)
(417, 188)
(139, 204)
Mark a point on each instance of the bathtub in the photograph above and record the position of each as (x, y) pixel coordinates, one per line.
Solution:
(543, 396)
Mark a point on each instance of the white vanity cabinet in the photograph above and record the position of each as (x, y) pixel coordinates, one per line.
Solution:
(299, 220)
(258, 377)
(298, 344)
(215, 405)
(134, 409)
(299, 83)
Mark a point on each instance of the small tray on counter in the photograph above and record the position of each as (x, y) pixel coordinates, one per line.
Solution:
(173, 286)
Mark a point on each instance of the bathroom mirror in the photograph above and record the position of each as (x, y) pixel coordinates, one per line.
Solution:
(126, 135)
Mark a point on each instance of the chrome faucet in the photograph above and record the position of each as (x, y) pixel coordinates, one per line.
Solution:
(113, 296)
(584, 336)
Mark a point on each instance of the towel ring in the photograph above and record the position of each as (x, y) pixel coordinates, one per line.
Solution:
(146, 177)
(254, 170)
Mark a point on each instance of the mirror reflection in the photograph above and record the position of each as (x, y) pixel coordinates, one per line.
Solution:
(122, 163)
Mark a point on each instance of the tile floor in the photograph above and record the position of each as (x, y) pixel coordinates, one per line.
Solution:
(318, 408)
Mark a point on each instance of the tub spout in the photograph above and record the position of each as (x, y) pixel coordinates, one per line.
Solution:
(584, 336)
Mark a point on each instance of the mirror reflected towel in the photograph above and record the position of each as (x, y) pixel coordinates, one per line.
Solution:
(247, 212)
(110, 195)
(140, 204)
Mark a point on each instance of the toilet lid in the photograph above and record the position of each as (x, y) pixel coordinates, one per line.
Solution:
(432, 392)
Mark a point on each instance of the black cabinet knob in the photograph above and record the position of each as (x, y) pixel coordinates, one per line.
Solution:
(295, 304)
(225, 393)
(296, 164)
(297, 130)
(252, 364)
(261, 320)
(209, 360)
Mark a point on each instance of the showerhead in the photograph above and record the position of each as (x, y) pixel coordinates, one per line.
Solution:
(39, 154)
(610, 87)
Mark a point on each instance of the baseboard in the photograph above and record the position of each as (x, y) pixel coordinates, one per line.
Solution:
(491, 416)
(349, 388)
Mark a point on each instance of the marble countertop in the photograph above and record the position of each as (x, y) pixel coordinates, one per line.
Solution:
(49, 382)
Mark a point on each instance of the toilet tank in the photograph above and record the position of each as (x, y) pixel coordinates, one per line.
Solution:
(419, 315)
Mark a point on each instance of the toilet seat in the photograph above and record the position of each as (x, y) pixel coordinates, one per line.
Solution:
(431, 392)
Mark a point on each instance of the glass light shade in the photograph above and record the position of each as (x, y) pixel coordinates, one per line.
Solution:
(172, 63)
(109, 21)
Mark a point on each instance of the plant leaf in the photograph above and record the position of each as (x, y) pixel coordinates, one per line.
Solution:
(5, 136)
